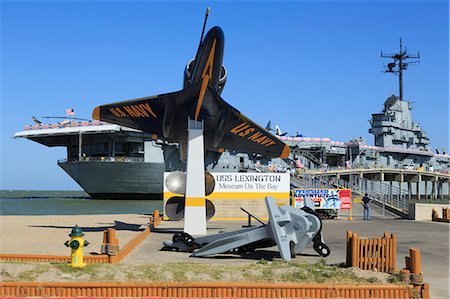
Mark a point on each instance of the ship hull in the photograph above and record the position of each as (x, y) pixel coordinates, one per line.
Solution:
(118, 180)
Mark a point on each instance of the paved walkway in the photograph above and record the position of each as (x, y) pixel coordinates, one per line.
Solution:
(430, 237)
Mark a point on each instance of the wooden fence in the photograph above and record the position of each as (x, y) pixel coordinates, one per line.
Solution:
(378, 253)
(203, 290)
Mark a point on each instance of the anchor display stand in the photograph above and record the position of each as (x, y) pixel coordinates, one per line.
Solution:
(195, 202)
(290, 229)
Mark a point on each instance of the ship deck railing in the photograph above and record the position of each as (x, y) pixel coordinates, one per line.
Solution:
(103, 159)
(65, 124)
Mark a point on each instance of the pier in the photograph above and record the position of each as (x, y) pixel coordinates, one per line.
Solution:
(398, 190)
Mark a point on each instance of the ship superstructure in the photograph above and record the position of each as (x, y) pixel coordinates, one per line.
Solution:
(394, 127)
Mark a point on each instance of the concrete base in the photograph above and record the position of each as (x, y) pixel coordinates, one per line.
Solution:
(422, 211)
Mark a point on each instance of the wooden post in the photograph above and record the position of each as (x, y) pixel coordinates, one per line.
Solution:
(371, 251)
(112, 245)
(408, 263)
(105, 241)
(105, 236)
(426, 291)
(434, 214)
(387, 251)
(366, 254)
(394, 254)
(348, 261)
(355, 254)
(415, 260)
(379, 256)
(112, 237)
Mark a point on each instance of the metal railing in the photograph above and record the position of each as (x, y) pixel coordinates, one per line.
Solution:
(103, 159)
(382, 193)
(308, 181)
(385, 194)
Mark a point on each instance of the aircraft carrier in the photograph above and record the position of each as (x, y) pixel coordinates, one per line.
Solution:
(115, 162)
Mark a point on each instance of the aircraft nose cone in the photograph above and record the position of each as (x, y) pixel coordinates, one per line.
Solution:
(96, 113)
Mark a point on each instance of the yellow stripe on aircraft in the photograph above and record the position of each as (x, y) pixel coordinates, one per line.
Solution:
(206, 76)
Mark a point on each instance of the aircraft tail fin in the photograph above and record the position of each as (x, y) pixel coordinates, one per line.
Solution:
(279, 132)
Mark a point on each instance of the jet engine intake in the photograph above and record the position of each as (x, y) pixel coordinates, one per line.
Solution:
(223, 79)
(188, 73)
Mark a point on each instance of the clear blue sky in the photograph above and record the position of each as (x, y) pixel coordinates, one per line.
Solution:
(309, 66)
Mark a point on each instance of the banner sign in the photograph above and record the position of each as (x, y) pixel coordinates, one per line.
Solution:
(251, 182)
(323, 198)
(233, 190)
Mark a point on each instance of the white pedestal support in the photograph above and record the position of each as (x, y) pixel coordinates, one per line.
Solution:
(195, 202)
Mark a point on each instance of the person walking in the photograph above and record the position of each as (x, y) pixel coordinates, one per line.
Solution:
(366, 201)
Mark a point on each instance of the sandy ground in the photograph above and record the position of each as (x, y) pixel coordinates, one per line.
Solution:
(47, 234)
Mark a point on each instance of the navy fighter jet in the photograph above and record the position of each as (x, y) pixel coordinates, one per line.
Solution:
(166, 115)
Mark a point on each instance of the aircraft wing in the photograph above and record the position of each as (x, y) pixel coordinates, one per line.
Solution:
(166, 116)
(241, 134)
(148, 114)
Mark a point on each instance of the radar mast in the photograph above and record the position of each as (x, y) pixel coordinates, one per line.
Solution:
(400, 63)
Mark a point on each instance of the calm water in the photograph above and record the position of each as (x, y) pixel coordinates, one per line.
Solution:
(69, 203)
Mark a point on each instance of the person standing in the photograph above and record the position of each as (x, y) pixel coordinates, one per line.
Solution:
(366, 201)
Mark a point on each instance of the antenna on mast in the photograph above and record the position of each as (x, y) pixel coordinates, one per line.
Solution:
(204, 25)
(399, 65)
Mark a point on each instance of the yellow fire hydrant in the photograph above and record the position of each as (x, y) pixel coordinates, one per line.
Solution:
(76, 243)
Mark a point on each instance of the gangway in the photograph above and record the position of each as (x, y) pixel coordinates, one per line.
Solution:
(387, 198)
(384, 195)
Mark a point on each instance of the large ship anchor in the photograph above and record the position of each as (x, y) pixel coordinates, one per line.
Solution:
(290, 229)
